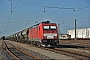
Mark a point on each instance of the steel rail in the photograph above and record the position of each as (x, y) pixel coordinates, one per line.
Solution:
(31, 55)
(77, 55)
(70, 53)
(74, 54)
(6, 47)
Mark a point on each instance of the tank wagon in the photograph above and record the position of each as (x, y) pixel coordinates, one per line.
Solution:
(44, 33)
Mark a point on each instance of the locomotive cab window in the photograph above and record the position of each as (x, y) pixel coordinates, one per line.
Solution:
(45, 27)
(52, 27)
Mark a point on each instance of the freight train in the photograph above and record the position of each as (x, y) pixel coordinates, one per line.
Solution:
(41, 34)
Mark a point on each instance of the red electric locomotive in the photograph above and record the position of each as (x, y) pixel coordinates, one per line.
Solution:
(44, 33)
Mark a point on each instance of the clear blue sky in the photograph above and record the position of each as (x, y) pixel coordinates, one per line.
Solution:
(26, 12)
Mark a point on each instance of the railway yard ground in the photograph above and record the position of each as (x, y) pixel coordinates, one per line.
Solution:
(49, 54)
(0, 49)
(77, 42)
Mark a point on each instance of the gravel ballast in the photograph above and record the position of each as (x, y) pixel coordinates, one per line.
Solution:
(47, 53)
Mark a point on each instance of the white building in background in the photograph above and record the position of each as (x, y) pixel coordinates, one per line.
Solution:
(80, 33)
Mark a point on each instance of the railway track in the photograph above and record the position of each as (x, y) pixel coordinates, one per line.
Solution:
(76, 53)
(72, 52)
(17, 53)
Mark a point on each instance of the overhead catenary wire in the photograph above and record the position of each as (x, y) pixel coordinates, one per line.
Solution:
(74, 9)
(84, 22)
(53, 6)
(57, 8)
(16, 5)
(10, 16)
(28, 3)
(5, 30)
(36, 11)
(67, 14)
(78, 18)
(43, 13)
(72, 12)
